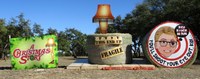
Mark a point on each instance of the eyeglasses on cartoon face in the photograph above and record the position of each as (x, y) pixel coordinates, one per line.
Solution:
(164, 43)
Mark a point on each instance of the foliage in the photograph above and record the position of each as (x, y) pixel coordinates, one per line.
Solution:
(71, 41)
(52, 31)
(37, 30)
(77, 41)
(138, 23)
(152, 12)
(23, 26)
(3, 31)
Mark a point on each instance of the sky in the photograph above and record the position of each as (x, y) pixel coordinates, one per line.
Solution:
(62, 14)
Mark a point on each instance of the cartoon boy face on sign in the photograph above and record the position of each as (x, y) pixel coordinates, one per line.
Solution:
(166, 41)
(171, 44)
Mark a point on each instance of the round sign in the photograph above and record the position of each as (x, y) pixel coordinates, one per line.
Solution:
(171, 44)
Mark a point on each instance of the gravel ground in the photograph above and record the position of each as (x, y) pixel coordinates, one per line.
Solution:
(193, 72)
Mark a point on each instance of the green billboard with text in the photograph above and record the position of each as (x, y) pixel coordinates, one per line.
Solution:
(34, 52)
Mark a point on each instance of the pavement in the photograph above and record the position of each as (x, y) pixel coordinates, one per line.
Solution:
(137, 64)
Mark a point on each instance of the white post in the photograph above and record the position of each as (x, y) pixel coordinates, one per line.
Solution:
(9, 36)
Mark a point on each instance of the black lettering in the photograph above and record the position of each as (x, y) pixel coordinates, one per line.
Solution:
(117, 41)
(101, 42)
(156, 56)
(105, 54)
(111, 52)
(161, 61)
(120, 49)
(120, 41)
(117, 51)
(152, 51)
(191, 42)
(183, 60)
(176, 62)
(189, 52)
(110, 41)
(172, 63)
(113, 41)
(151, 46)
(102, 55)
(104, 40)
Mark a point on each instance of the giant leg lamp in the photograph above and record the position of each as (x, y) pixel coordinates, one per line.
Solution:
(51, 44)
(103, 16)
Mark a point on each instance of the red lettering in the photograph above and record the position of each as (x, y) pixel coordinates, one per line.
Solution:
(25, 54)
(42, 52)
(23, 60)
(30, 52)
(37, 51)
(37, 57)
(17, 53)
(48, 50)
(32, 46)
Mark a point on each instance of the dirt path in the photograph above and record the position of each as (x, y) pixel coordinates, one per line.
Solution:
(193, 72)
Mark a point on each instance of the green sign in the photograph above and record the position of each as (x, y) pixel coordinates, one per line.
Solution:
(34, 52)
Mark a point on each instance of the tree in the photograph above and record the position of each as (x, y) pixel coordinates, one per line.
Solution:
(37, 30)
(3, 40)
(3, 30)
(137, 23)
(64, 44)
(77, 42)
(152, 12)
(13, 29)
(71, 41)
(51, 31)
(23, 26)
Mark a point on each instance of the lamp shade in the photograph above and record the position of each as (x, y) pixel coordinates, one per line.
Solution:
(103, 14)
(50, 42)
